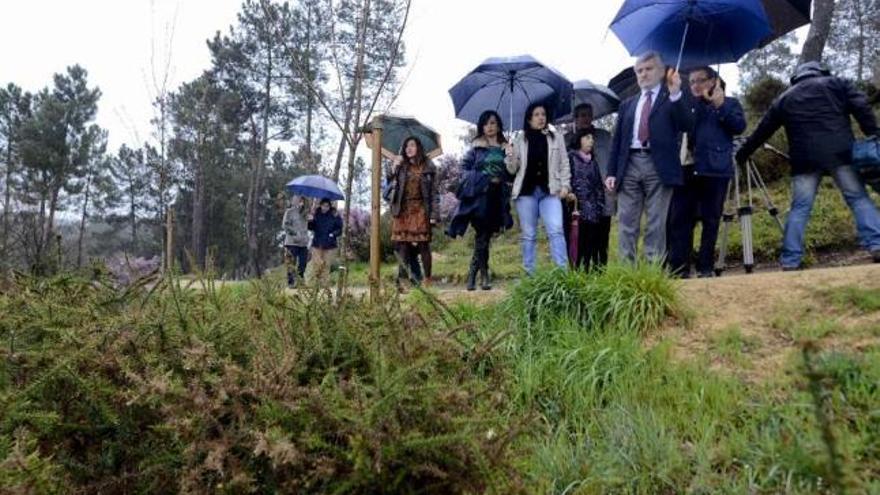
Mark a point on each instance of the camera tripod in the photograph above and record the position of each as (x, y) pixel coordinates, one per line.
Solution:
(740, 204)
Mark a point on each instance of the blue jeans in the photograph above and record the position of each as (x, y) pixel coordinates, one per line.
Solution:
(803, 193)
(549, 209)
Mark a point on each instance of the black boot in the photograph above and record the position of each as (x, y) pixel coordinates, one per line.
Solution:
(486, 279)
(472, 276)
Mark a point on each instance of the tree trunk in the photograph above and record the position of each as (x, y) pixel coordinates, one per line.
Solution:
(49, 232)
(198, 203)
(132, 214)
(198, 215)
(82, 221)
(860, 16)
(257, 169)
(163, 180)
(340, 152)
(7, 205)
(355, 135)
(823, 12)
(310, 99)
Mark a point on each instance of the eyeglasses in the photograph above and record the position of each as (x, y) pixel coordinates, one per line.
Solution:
(702, 80)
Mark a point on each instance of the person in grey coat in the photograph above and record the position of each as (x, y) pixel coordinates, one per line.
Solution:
(296, 240)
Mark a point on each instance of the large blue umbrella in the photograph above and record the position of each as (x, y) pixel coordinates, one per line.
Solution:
(693, 32)
(315, 186)
(508, 85)
(603, 100)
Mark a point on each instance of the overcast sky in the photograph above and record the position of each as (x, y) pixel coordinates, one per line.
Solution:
(445, 40)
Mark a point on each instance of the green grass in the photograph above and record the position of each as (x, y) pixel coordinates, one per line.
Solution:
(253, 389)
(731, 344)
(851, 297)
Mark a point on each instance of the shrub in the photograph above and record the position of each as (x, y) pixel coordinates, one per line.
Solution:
(222, 390)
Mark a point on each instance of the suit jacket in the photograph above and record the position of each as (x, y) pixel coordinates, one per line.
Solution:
(714, 130)
(666, 123)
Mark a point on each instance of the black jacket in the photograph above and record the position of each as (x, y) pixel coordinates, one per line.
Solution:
(815, 112)
(327, 228)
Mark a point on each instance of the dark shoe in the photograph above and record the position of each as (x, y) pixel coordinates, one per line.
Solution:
(706, 275)
(790, 268)
(486, 279)
(472, 277)
(875, 255)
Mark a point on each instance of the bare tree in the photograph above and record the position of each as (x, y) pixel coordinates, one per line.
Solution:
(159, 80)
(379, 35)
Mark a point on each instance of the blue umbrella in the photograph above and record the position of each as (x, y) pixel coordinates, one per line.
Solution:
(508, 85)
(315, 186)
(600, 98)
(693, 32)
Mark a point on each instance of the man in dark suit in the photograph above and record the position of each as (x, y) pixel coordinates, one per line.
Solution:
(708, 168)
(645, 163)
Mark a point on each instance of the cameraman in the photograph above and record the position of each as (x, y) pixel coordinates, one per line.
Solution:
(815, 112)
(717, 119)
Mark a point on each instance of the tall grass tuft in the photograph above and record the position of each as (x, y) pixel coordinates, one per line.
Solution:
(633, 298)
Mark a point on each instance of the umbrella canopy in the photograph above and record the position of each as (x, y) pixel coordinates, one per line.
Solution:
(508, 85)
(315, 186)
(395, 130)
(786, 16)
(603, 100)
(693, 32)
(625, 83)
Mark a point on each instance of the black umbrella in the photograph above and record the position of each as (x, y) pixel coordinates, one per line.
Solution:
(786, 16)
(624, 83)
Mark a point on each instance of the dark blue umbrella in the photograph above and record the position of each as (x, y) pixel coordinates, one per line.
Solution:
(693, 32)
(315, 186)
(600, 98)
(508, 85)
(786, 16)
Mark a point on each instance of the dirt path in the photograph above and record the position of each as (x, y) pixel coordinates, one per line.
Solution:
(767, 316)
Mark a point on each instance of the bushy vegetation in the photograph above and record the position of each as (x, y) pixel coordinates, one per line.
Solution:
(231, 390)
(157, 388)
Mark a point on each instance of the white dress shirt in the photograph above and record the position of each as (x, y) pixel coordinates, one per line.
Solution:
(655, 92)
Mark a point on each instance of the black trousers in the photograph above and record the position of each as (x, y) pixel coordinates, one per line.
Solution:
(296, 268)
(700, 199)
(593, 244)
(408, 257)
(482, 242)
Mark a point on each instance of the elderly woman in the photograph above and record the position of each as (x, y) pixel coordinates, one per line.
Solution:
(484, 195)
(414, 206)
(539, 160)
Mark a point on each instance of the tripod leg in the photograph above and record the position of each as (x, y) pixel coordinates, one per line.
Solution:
(765, 194)
(727, 218)
(745, 220)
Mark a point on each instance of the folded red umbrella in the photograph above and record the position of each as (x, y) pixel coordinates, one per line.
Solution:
(573, 231)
